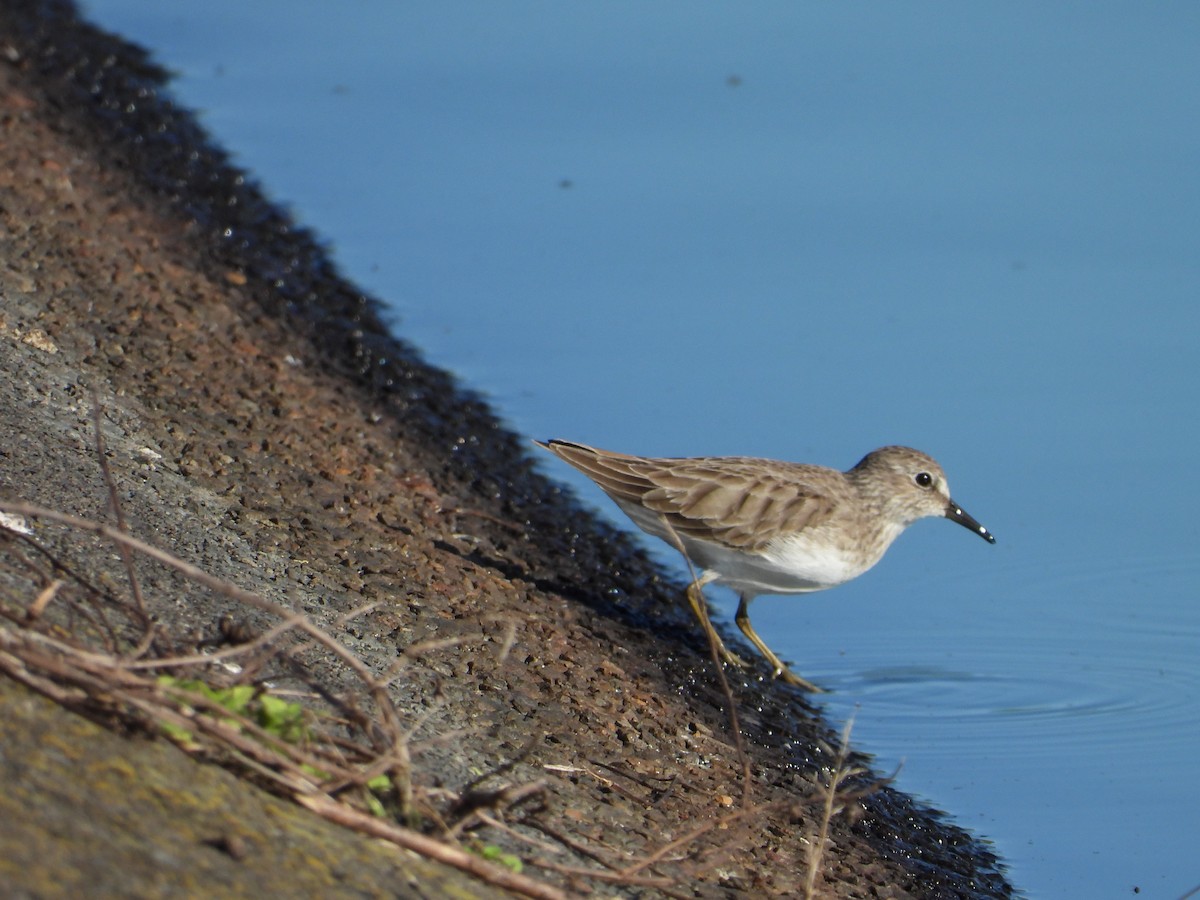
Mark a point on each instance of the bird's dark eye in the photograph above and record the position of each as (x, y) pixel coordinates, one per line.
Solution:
(924, 479)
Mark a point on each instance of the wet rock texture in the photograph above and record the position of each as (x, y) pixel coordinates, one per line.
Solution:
(261, 423)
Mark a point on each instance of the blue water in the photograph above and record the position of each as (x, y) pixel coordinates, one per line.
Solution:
(804, 231)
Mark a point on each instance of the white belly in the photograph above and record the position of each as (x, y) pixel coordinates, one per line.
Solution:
(791, 564)
(788, 566)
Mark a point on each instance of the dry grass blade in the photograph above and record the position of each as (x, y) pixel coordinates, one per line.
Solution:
(836, 798)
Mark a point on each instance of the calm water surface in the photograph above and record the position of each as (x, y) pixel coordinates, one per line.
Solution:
(804, 231)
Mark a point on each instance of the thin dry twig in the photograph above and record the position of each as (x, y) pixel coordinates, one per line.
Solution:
(735, 724)
(653, 881)
(516, 835)
(114, 504)
(38, 606)
(690, 837)
(430, 848)
(470, 805)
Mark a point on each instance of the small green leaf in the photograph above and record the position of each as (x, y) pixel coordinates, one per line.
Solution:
(375, 807)
(178, 734)
(508, 860)
(281, 718)
(236, 699)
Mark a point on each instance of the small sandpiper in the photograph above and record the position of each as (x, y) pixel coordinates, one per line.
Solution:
(760, 526)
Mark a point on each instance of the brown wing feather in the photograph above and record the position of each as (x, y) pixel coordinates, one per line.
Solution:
(745, 508)
(739, 502)
(615, 473)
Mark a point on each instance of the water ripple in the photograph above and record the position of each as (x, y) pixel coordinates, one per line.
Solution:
(1141, 685)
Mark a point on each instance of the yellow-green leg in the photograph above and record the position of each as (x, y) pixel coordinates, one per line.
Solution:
(695, 595)
(780, 668)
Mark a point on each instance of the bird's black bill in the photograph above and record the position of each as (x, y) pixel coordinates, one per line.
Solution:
(955, 513)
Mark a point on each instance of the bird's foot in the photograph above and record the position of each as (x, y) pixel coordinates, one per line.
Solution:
(786, 675)
(732, 658)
